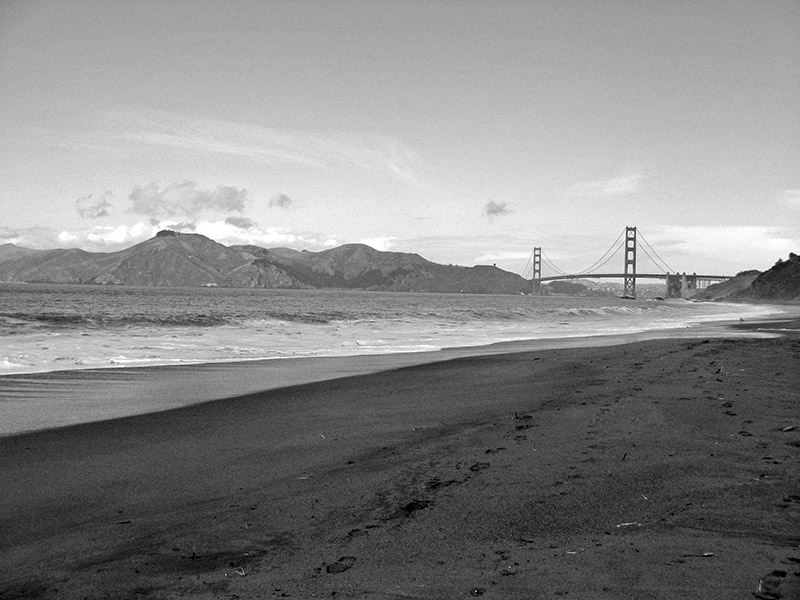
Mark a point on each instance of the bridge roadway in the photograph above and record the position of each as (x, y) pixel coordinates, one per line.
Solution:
(635, 276)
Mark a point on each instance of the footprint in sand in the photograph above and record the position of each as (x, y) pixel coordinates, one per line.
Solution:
(778, 584)
(341, 565)
(480, 466)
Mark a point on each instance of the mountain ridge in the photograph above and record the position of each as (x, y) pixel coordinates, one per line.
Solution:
(189, 259)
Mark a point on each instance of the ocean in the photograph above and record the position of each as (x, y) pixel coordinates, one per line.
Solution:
(63, 327)
(72, 354)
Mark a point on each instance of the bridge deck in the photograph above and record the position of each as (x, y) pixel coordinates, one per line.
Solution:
(636, 276)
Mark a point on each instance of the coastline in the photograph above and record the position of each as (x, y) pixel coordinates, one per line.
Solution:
(654, 469)
(50, 399)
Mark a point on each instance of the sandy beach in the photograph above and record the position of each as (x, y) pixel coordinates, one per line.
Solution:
(660, 469)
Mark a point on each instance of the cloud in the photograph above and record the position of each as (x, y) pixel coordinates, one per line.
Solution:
(379, 155)
(383, 244)
(241, 222)
(496, 209)
(606, 187)
(229, 234)
(731, 248)
(182, 227)
(281, 201)
(89, 207)
(110, 238)
(791, 198)
(184, 200)
(120, 235)
(31, 237)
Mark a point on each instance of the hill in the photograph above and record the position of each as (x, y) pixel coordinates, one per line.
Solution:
(780, 284)
(725, 289)
(181, 259)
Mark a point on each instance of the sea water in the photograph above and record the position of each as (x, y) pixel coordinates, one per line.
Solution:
(46, 327)
(72, 354)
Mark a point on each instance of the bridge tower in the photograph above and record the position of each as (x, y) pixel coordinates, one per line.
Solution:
(630, 263)
(537, 270)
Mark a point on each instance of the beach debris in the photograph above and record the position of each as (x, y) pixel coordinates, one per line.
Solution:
(240, 571)
(629, 524)
(789, 428)
(574, 552)
(341, 565)
(701, 555)
(478, 591)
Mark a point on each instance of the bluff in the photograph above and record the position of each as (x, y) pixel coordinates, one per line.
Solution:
(780, 284)
(728, 288)
(181, 259)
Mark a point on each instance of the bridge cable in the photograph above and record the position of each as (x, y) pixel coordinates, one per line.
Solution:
(607, 260)
(663, 262)
(528, 267)
(644, 249)
(546, 260)
(597, 264)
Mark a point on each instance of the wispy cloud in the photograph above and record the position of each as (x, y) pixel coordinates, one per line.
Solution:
(31, 237)
(184, 200)
(791, 198)
(606, 187)
(496, 209)
(379, 155)
(742, 247)
(89, 207)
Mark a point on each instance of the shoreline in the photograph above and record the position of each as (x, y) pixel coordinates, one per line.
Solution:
(52, 399)
(659, 469)
(117, 356)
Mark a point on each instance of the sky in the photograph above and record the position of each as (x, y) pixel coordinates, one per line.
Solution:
(467, 132)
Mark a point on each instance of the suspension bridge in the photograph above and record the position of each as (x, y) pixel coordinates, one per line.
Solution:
(676, 285)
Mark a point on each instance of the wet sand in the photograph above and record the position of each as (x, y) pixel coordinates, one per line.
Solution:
(657, 469)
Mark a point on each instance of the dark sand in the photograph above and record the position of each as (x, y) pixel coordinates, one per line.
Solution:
(659, 469)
